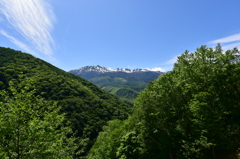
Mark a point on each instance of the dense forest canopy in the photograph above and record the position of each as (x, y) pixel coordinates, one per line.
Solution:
(87, 108)
(191, 112)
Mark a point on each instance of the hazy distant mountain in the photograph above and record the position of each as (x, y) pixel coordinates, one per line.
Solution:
(102, 69)
(124, 82)
(89, 72)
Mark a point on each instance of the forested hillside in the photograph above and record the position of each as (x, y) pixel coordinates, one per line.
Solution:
(191, 112)
(127, 88)
(87, 107)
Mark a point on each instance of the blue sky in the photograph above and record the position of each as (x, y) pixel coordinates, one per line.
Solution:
(117, 33)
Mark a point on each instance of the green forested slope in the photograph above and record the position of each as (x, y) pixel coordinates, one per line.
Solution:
(190, 112)
(125, 87)
(88, 108)
(126, 90)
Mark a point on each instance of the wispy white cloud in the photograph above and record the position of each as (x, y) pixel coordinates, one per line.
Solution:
(228, 42)
(231, 46)
(232, 38)
(33, 19)
(18, 43)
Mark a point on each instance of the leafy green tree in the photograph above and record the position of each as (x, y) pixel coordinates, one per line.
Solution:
(108, 141)
(191, 112)
(119, 139)
(31, 127)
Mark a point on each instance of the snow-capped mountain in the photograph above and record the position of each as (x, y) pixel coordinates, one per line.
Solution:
(123, 82)
(102, 69)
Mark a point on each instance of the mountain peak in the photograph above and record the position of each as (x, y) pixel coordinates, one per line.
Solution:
(98, 68)
(102, 69)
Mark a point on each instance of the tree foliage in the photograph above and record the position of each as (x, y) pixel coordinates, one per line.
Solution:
(119, 139)
(87, 107)
(31, 127)
(191, 112)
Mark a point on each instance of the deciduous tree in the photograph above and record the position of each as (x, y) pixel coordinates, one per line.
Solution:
(31, 127)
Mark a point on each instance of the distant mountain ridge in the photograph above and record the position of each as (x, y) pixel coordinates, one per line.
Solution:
(123, 82)
(102, 69)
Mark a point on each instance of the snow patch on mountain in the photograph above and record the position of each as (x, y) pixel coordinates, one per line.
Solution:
(102, 69)
(156, 69)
